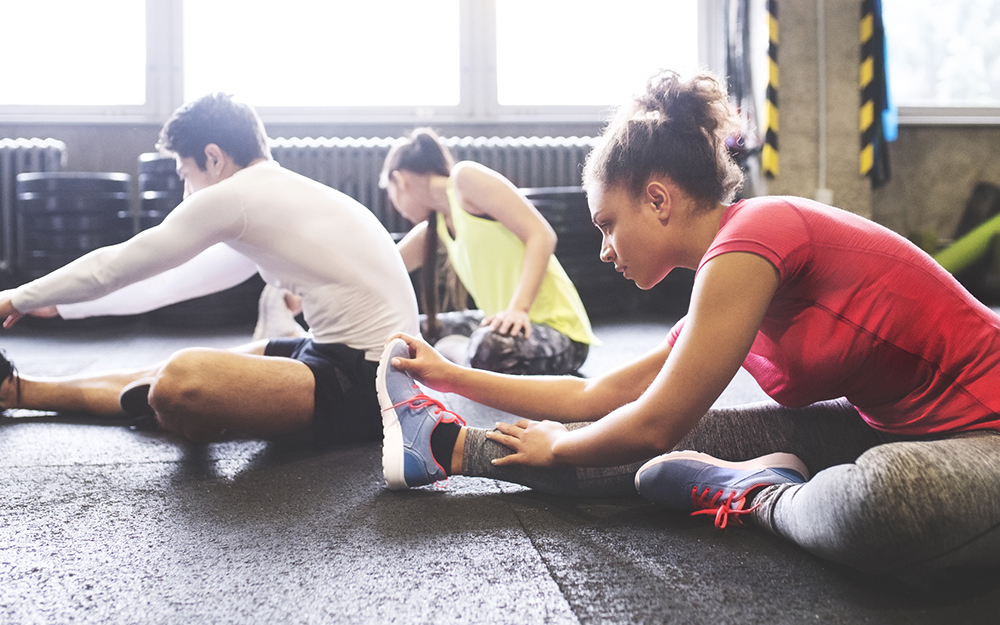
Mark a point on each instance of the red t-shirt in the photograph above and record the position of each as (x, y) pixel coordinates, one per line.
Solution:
(862, 313)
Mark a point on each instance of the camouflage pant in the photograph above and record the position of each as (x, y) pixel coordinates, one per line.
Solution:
(546, 352)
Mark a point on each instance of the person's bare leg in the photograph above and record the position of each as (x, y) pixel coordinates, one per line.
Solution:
(95, 394)
(206, 394)
(92, 394)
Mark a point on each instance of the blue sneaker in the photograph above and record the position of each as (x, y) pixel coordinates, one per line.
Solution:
(408, 418)
(697, 482)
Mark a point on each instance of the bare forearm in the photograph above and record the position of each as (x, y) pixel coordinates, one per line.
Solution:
(560, 398)
(536, 261)
(557, 398)
(626, 435)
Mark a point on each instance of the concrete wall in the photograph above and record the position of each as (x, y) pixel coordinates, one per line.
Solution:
(798, 101)
(934, 169)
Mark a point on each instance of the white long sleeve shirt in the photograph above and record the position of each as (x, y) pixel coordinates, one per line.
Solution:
(299, 234)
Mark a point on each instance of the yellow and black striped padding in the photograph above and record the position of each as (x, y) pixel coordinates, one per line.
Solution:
(866, 118)
(876, 118)
(769, 153)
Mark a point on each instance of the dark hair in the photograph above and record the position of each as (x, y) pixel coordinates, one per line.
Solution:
(677, 128)
(215, 118)
(422, 152)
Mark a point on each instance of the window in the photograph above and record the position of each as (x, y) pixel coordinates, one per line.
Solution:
(67, 52)
(944, 56)
(319, 53)
(425, 61)
(586, 52)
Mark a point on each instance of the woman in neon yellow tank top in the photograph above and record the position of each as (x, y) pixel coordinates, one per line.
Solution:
(530, 319)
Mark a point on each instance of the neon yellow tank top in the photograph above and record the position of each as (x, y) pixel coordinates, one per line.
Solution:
(487, 257)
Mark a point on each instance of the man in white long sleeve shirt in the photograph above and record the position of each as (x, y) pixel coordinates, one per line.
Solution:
(242, 213)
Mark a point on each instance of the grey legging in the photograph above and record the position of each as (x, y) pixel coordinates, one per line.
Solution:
(877, 502)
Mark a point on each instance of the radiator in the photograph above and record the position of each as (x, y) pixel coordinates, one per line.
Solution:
(19, 156)
(353, 165)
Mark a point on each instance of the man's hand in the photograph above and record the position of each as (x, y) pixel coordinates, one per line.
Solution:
(8, 313)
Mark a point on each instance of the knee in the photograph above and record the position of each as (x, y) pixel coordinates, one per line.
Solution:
(177, 388)
(874, 515)
(490, 350)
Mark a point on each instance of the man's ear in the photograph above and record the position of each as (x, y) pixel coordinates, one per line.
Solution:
(660, 196)
(215, 158)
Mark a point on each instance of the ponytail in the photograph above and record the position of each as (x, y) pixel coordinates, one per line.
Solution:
(429, 292)
(423, 152)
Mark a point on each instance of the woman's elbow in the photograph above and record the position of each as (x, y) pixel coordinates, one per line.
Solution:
(660, 437)
(551, 239)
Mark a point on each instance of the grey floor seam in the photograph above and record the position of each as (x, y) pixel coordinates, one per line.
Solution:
(541, 556)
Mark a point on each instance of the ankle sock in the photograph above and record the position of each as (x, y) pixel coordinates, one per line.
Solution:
(443, 443)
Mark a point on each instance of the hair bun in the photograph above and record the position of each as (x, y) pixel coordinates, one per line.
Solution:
(677, 127)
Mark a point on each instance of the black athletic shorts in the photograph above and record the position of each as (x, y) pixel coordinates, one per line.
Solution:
(346, 405)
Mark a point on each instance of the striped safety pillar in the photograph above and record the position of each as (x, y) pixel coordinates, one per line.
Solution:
(876, 121)
(866, 119)
(769, 153)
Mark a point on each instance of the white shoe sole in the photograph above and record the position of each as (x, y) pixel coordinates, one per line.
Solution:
(392, 433)
(771, 461)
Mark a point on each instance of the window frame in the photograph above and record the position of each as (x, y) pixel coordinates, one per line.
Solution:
(477, 81)
(161, 83)
(948, 116)
(944, 115)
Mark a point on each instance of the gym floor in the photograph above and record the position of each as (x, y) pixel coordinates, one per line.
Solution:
(103, 524)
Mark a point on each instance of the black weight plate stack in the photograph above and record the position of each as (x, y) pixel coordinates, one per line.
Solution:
(982, 277)
(160, 188)
(63, 215)
(160, 191)
(234, 306)
(603, 291)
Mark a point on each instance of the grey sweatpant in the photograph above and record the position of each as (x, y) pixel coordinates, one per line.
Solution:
(877, 502)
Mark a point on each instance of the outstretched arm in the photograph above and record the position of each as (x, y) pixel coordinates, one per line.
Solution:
(485, 192)
(558, 398)
(210, 216)
(731, 295)
(216, 269)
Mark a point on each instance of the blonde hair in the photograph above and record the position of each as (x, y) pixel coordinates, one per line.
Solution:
(677, 128)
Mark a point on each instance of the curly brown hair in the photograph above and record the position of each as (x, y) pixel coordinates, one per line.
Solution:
(677, 128)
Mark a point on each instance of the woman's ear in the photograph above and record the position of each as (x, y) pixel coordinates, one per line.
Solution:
(660, 196)
(397, 178)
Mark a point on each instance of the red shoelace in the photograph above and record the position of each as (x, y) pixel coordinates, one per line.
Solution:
(421, 400)
(731, 506)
